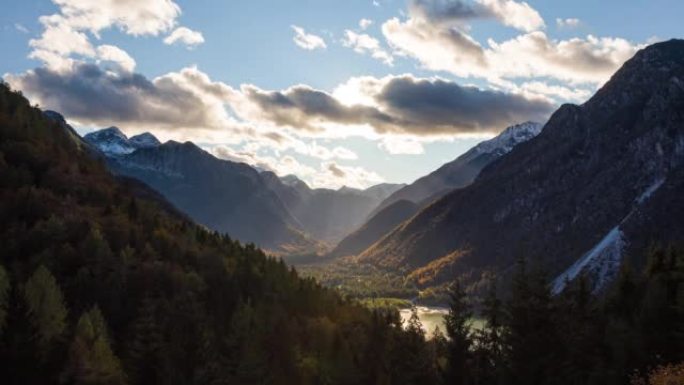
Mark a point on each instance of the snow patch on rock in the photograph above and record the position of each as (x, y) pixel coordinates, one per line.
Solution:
(601, 263)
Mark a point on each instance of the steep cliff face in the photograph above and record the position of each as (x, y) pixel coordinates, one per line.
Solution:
(597, 181)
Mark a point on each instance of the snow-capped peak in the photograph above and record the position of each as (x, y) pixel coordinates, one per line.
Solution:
(511, 137)
(145, 140)
(112, 142)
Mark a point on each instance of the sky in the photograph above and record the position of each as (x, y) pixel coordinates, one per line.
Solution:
(354, 92)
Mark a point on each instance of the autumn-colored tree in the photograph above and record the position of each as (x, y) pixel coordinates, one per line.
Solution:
(45, 306)
(91, 359)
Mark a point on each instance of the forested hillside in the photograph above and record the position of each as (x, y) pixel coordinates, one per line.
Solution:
(99, 285)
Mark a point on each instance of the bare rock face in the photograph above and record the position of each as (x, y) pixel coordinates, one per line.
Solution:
(610, 166)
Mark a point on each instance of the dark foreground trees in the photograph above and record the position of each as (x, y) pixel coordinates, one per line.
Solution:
(577, 337)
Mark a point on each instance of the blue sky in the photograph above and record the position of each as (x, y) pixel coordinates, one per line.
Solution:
(420, 83)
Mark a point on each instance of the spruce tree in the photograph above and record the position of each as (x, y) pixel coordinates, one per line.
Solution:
(488, 350)
(530, 328)
(458, 328)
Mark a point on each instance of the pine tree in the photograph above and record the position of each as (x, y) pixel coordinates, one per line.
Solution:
(530, 328)
(45, 306)
(458, 329)
(91, 359)
(488, 340)
(143, 361)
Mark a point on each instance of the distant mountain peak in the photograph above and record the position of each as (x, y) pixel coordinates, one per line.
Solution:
(113, 142)
(145, 140)
(510, 137)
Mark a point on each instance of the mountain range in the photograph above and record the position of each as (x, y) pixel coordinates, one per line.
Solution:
(597, 186)
(592, 187)
(407, 201)
(284, 216)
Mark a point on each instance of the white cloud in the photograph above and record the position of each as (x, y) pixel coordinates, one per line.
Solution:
(558, 93)
(570, 22)
(366, 44)
(116, 55)
(185, 36)
(65, 40)
(519, 15)
(334, 175)
(184, 100)
(401, 105)
(401, 145)
(149, 17)
(20, 27)
(442, 42)
(329, 174)
(577, 60)
(307, 41)
(456, 13)
(365, 23)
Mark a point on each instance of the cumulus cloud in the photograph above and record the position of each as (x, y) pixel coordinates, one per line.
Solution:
(437, 34)
(576, 60)
(185, 99)
(184, 36)
(65, 41)
(136, 18)
(397, 105)
(519, 15)
(307, 41)
(365, 44)
(116, 55)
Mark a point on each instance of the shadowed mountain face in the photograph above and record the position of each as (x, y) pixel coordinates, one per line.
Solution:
(463, 170)
(225, 196)
(222, 195)
(600, 183)
(325, 214)
(405, 202)
(375, 228)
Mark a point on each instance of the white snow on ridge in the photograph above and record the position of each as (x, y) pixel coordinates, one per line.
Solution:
(511, 137)
(601, 263)
(650, 190)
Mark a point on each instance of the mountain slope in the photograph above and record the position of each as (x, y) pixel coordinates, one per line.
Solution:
(327, 214)
(463, 170)
(405, 202)
(613, 163)
(375, 228)
(222, 195)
